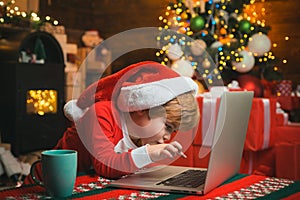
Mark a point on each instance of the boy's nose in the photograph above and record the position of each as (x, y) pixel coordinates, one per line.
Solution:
(167, 136)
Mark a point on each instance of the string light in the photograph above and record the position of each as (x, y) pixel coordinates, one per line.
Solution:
(41, 101)
(232, 36)
(13, 13)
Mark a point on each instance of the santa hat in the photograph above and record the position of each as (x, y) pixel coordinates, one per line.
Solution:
(139, 86)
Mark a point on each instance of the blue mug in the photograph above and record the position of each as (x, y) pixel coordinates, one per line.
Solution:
(59, 170)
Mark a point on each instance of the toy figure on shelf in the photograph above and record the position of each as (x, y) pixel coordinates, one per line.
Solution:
(93, 61)
(38, 55)
(91, 38)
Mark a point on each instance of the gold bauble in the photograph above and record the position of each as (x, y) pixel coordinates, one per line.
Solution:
(184, 15)
(223, 31)
(206, 63)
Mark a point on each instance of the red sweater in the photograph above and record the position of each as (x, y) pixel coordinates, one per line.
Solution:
(94, 137)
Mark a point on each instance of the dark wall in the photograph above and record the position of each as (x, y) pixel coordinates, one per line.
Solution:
(284, 18)
(111, 17)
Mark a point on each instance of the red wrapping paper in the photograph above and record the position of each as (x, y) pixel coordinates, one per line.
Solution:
(258, 162)
(187, 162)
(201, 156)
(288, 151)
(186, 140)
(290, 133)
(289, 103)
(261, 127)
(288, 160)
(281, 119)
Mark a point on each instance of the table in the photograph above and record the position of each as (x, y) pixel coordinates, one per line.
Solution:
(241, 186)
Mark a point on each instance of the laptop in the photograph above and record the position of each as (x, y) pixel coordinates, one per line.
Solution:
(225, 156)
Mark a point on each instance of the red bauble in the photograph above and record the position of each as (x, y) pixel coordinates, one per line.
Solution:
(251, 83)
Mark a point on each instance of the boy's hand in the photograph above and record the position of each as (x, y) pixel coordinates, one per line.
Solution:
(161, 151)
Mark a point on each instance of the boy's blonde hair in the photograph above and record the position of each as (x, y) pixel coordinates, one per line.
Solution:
(181, 112)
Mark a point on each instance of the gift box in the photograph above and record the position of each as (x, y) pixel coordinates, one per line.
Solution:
(262, 123)
(208, 114)
(201, 156)
(260, 132)
(186, 141)
(288, 151)
(284, 88)
(289, 103)
(186, 162)
(288, 160)
(289, 133)
(282, 119)
(258, 162)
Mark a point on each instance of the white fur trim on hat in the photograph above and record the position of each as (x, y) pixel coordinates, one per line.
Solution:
(72, 111)
(149, 95)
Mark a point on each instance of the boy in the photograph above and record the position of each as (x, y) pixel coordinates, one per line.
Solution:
(126, 118)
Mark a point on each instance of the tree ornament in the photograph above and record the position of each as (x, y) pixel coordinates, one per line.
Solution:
(198, 47)
(223, 31)
(174, 52)
(225, 40)
(259, 44)
(182, 30)
(244, 26)
(39, 51)
(184, 15)
(197, 23)
(246, 64)
(206, 63)
(183, 67)
(216, 44)
(251, 83)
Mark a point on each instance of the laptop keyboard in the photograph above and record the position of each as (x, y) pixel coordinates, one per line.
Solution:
(191, 178)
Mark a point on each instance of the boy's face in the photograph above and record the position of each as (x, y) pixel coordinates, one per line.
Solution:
(161, 137)
(154, 131)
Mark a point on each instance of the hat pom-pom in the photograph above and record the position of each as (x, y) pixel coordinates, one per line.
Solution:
(72, 111)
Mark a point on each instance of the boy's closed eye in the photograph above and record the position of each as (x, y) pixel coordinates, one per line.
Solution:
(169, 128)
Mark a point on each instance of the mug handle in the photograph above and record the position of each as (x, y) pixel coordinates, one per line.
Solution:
(32, 174)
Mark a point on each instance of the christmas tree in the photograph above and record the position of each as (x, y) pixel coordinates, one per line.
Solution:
(221, 40)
